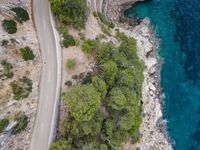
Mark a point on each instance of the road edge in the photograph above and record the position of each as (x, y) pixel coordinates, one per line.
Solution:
(53, 130)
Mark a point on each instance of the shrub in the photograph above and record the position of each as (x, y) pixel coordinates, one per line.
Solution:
(21, 13)
(4, 42)
(3, 124)
(82, 36)
(87, 79)
(71, 64)
(60, 145)
(68, 83)
(63, 29)
(90, 45)
(105, 30)
(22, 122)
(68, 40)
(12, 40)
(95, 14)
(121, 36)
(27, 53)
(10, 26)
(7, 69)
(21, 88)
(105, 21)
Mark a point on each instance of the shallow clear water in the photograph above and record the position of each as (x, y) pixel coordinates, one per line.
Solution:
(178, 26)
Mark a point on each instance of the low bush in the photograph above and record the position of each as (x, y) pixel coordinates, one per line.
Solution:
(71, 64)
(21, 13)
(105, 30)
(27, 53)
(22, 122)
(21, 88)
(3, 124)
(68, 40)
(90, 45)
(95, 14)
(7, 69)
(10, 26)
(63, 29)
(4, 42)
(121, 36)
(105, 21)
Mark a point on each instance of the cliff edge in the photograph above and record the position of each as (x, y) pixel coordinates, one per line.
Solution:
(153, 129)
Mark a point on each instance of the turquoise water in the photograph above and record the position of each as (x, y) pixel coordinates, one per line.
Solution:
(177, 23)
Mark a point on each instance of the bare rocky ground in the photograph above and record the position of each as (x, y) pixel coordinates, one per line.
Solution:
(25, 36)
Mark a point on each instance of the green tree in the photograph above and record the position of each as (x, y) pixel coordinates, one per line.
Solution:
(68, 40)
(27, 53)
(90, 146)
(8, 69)
(3, 124)
(60, 145)
(109, 72)
(129, 48)
(10, 26)
(125, 78)
(70, 11)
(106, 52)
(4, 42)
(21, 13)
(83, 102)
(103, 147)
(22, 122)
(117, 100)
(90, 45)
(100, 85)
(127, 121)
(120, 60)
(21, 88)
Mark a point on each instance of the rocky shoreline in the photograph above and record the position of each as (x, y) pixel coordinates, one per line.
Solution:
(153, 130)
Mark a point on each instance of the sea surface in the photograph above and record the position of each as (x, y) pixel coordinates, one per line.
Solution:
(177, 23)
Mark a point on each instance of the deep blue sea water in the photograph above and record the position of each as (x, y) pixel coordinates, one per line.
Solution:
(178, 26)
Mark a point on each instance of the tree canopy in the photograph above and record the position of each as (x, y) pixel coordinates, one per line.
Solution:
(105, 109)
(70, 12)
(82, 102)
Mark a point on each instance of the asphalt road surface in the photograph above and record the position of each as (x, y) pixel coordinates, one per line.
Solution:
(49, 89)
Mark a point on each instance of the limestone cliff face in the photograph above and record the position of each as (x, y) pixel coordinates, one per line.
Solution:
(113, 9)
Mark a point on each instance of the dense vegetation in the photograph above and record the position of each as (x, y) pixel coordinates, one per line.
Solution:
(21, 88)
(22, 122)
(70, 12)
(105, 110)
(3, 124)
(21, 13)
(27, 53)
(10, 26)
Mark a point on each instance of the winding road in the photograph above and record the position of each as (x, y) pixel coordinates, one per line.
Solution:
(49, 89)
